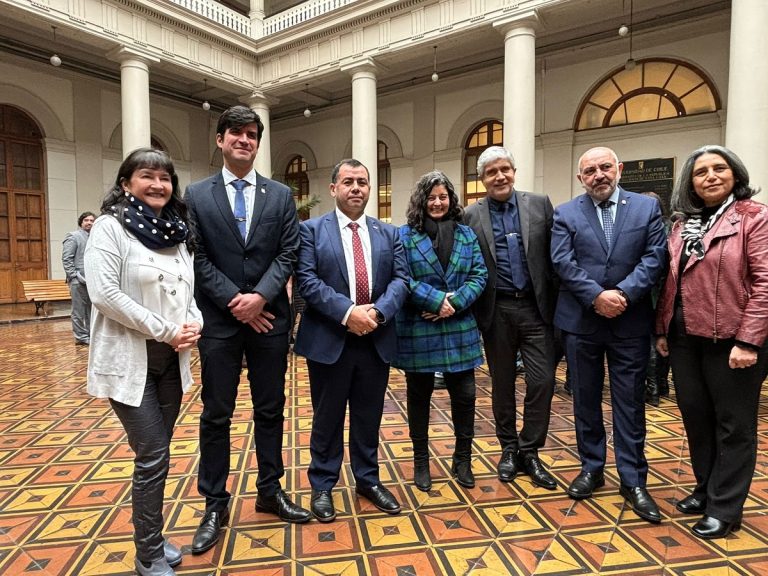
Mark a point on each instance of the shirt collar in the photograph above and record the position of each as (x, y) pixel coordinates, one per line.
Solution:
(229, 177)
(496, 205)
(344, 220)
(613, 198)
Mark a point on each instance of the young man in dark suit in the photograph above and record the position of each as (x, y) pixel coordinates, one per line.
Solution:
(247, 233)
(353, 274)
(514, 312)
(609, 249)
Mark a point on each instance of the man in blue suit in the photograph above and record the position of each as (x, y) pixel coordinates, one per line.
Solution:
(246, 234)
(609, 249)
(352, 272)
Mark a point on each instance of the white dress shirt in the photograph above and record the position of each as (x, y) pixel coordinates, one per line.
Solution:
(349, 258)
(249, 192)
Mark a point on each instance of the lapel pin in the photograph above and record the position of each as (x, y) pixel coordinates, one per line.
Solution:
(263, 190)
(623, 201)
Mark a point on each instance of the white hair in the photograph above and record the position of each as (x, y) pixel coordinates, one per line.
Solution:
(491, 154)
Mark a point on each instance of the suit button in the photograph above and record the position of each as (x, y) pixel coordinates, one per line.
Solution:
(173, 292)
(161, 277)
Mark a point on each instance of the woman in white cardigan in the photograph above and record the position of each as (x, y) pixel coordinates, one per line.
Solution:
(144, 324)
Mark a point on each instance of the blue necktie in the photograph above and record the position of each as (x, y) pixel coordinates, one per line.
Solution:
(513, 243)
(239, 186)
(605, 207)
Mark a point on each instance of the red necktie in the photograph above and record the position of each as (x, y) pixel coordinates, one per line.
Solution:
(361, 273)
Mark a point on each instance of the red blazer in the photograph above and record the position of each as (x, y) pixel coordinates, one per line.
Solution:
(725, 295)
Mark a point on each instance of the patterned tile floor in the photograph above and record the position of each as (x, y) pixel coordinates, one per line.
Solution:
(64, 491)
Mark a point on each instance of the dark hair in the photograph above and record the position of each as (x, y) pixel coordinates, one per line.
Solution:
(684, 197)
(347, 162)
(417, 206)
(237, 117)
(83, 216)
(154, 159)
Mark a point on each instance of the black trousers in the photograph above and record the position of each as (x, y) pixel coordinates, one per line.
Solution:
(461, 389)
(221, 363)
(518, 326)
(359, 377)
(719, 406)
(149, 428)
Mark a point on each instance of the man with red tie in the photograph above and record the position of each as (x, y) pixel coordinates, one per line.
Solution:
(352, 272)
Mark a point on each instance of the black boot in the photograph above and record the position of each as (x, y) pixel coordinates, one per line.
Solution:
(462, 463)
(421, 476)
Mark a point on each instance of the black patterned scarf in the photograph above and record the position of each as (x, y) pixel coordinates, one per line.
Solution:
(151, 230)
(693, 230)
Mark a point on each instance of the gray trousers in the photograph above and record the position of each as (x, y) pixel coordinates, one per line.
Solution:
(149, 428)
(81, 311)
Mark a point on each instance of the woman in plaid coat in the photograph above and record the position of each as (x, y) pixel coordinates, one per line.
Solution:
(436, 329)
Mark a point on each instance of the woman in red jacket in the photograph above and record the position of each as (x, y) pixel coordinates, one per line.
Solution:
(712, 320)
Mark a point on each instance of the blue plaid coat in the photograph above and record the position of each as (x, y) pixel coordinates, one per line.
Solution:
(451, 344)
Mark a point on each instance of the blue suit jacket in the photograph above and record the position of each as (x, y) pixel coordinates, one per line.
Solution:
(586, 266)
(323, 282)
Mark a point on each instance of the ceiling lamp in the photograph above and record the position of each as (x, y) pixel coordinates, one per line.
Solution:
(54, 59)
(205, 105)
(630, 63)
(435, 75)
(307, 111)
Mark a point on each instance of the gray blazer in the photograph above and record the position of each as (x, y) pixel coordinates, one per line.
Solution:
(72, 255)
(536, 229)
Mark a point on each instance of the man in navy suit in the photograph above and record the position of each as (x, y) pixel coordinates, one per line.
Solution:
(609, 249)
(353, 274)
(246, 234)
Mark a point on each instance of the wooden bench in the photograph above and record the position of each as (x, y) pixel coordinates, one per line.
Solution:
(43, 291)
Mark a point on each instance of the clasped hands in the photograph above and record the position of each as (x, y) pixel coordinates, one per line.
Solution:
(362, 320)
(446, 310)
(186, 337)
(610, 303)
(249, 309)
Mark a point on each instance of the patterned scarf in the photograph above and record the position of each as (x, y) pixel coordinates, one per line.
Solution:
(151, 230)
(693, 231)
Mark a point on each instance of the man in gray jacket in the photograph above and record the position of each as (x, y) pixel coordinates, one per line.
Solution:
(72, 258)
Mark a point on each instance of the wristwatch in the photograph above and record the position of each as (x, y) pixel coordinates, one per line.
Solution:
(379, 316)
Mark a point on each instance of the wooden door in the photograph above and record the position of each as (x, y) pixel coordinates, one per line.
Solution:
(23, 230)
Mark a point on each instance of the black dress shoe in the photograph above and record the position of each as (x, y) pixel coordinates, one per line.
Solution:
(207, 533)
(642, 503)
(710, 527)
(539, 475)
(422, 477)
(508, 466)
(380, 497)
(322, 506)
(584, 484)
(281, 505)
(463, 473)
(692, 505)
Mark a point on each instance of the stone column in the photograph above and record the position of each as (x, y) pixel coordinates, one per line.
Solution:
(134, 97)
(256, 14)
(520, 93)
(364, 123)
(260, 103)
(746, 131)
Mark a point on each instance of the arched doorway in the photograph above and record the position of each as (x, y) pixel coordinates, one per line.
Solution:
(23, 226)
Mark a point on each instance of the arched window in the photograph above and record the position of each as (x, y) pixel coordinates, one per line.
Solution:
(296, 177)
(385, 183)
(654, 89)
(489, 133)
